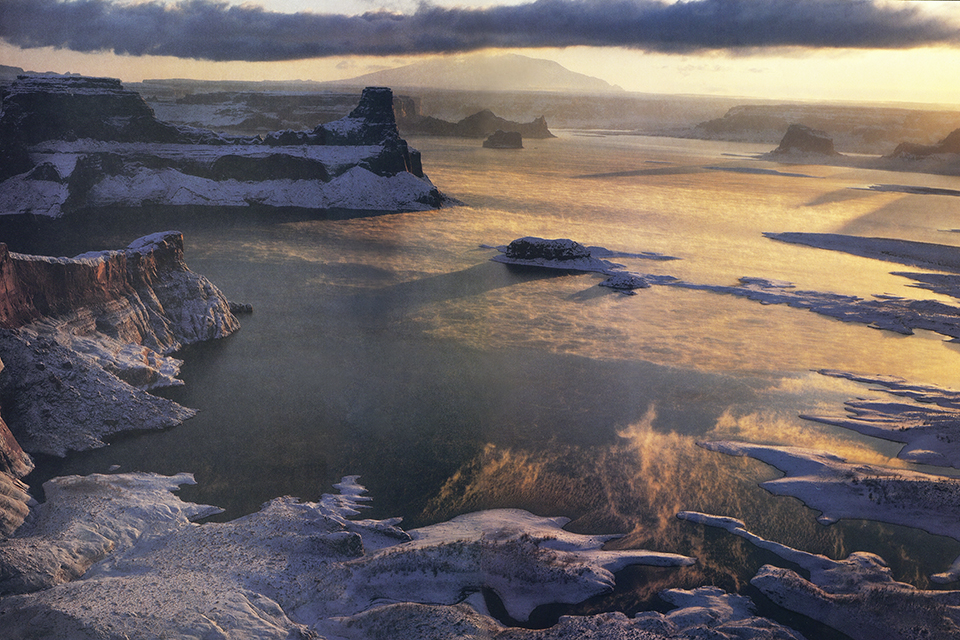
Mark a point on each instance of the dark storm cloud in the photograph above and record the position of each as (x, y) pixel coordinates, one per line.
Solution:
(208, 30)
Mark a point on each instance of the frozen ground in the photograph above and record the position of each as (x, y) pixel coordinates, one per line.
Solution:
(121, 558)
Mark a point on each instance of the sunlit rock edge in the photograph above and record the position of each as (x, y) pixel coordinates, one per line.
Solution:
(83, 339)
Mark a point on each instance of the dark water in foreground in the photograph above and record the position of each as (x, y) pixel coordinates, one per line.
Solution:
(390, 347)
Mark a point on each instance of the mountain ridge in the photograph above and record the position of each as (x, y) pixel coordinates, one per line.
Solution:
(506, 72)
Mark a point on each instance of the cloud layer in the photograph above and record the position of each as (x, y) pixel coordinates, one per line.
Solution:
(209, 30)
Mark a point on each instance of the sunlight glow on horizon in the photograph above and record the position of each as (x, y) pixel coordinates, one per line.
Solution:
(915, 75)
(912, 76)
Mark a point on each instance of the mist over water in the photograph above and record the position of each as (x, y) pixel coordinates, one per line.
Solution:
(391, 347)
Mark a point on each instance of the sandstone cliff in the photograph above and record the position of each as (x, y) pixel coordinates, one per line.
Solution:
(100, 324)
(82, 339)
(14, 464)
(72, 144)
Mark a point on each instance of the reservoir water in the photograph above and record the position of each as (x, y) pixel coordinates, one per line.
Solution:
(389, 346)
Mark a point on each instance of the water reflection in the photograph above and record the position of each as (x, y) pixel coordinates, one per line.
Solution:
(388, 346)
(637, 486)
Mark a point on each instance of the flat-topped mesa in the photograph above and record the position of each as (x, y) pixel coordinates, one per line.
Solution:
(127, 289)
(800, 139)
(40, 108)
(84, 338)
(143, 295)
(75, 144)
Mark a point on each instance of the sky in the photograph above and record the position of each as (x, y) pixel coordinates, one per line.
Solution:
(876, 50)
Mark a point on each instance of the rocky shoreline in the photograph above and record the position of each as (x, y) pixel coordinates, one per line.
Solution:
(83, 339)
(75, 143)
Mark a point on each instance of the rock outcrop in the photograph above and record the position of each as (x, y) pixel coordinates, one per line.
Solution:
(69, 108)
(531, 248)
(307, 570)
(479, 125)
(800, 139)
(911, 150)
(102, 324)
(857, 596)
(68, 144)
(14, 464)
(504, 140)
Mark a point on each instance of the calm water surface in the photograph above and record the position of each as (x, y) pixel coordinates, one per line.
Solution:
(391, 347)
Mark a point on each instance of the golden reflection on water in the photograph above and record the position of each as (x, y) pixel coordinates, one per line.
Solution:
(712, 219)
(638, 485)
(428, 273)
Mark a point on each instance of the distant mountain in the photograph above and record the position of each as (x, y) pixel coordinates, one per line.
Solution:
(9, 73)
(506, 72)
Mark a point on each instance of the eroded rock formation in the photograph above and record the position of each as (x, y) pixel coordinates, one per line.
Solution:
(857, 595)
(912, 150)
(100, 324)
(800, 139)
(122, 566)
(500, 139)
(479, 125)
(70, 144)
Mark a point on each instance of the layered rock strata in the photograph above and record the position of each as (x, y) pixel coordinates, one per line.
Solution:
(14, 464)
(71, 144)
(76, 330)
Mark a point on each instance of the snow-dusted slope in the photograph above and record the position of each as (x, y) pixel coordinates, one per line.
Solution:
(100, 325)
(78, 143)
(310, 570)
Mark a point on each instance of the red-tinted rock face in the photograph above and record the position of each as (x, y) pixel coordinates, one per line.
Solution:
(33, 287)
(66, 324)
(14, 464)
(13, 461)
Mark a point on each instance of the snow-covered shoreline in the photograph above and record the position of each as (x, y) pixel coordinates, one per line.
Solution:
(119, 155)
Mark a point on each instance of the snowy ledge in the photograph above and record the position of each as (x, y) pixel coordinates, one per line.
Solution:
(857, 596)
(120, 552)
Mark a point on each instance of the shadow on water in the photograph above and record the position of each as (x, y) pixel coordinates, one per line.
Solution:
(472, 281)
(634, 173)
(115, 227)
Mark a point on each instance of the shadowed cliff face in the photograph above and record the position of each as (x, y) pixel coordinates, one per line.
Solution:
(950, 144)
(802, 139)
(69, 144)
(42, 108)
(120, 294)
(101, 325)
(82, 339)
